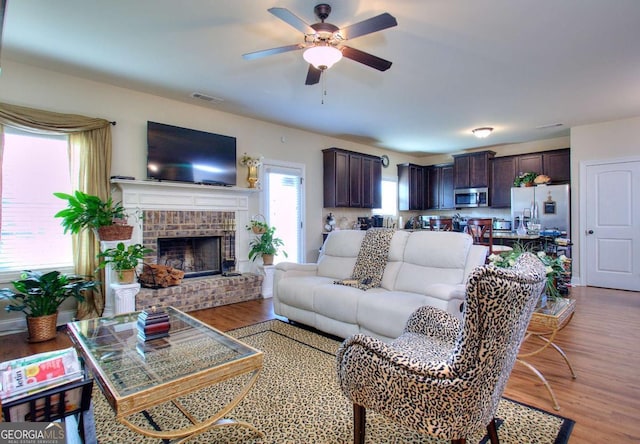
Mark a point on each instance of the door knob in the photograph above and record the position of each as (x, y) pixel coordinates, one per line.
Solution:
(590, 232)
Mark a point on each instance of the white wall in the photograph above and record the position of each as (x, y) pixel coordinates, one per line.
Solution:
(617, 139)
(26, 85)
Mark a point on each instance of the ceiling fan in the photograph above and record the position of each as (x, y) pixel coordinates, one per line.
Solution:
(323, 41)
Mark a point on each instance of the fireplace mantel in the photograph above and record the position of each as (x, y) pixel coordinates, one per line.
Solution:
(173, 196)
(153, 195)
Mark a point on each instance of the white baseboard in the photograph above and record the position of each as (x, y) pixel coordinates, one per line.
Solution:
(17, 325)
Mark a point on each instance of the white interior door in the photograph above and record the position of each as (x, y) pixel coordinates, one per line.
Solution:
(612, 225)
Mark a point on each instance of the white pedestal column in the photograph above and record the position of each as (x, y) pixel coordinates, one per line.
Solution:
(110, 279)
(124, 297)
(267, 283)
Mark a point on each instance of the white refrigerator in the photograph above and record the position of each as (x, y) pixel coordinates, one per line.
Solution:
(549, 202)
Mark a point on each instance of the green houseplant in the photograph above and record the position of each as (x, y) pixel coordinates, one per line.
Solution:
(38, 295)
(525, 179)
(124, 260)
(555, 266)
(266, 245)
(86, 211)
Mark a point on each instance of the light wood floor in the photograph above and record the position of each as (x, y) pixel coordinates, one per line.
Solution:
(602, 341)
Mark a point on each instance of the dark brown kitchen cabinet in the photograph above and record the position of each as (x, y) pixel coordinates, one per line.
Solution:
(472, 170)
(439, 187)
(371, 182)
(411, 187)
(351, 179)
(529, 163)
(503, 172)
(557, 165)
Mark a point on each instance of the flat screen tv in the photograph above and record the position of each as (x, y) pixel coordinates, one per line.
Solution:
(187, 155)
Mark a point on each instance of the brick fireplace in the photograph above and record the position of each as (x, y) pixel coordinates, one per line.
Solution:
(195, 242)
(191, 216)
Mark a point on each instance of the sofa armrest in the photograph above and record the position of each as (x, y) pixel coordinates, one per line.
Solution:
(308, 268)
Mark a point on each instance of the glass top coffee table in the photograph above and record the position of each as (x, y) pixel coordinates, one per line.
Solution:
(136, 375)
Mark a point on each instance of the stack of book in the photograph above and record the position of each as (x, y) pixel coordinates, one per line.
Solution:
(25, 376)
(153, 324)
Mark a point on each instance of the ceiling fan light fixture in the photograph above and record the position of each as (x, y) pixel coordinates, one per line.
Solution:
(323, 56)
(483, 132)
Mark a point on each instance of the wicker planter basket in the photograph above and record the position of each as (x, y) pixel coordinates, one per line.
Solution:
(115, 232)
(126, 276)
(42, 328)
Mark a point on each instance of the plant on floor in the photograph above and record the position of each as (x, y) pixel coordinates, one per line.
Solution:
(266, 244)
(40, 294)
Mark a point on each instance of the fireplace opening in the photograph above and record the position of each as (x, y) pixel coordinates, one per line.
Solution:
(196, 256)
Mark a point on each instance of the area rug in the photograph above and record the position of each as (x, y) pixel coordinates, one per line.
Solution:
(297, 400)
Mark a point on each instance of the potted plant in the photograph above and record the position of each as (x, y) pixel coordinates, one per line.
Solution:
(556, 268)
(257, 227)
(525, 179)
(86, 211)
(38, 295)
(266, 245)
(124, 260)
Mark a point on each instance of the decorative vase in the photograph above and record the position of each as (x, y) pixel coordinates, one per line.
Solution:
(126, 276)
(267, 259)
(42, 328)
(252, 175)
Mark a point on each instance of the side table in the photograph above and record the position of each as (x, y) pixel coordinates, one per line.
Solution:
(545, 324)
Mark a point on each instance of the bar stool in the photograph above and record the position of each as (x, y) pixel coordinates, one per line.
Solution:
(481, 230)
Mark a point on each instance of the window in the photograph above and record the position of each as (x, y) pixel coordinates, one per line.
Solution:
(284, 206)
(389, 198)
(33, 168)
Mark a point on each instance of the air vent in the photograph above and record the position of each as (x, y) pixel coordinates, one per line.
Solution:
(206, 98)
(550, 125)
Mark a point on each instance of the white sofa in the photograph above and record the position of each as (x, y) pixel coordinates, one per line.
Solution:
(423, 268)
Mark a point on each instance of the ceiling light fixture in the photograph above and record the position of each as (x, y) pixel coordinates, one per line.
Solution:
(322, 56)
(483, 132)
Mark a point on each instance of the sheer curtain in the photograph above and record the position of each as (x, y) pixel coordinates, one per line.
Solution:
(90, 145)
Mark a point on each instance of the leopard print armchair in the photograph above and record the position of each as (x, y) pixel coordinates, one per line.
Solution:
(442, 376)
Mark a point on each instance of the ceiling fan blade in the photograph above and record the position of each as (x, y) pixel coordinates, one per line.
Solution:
(313, 75)
(366, 58)
(289, 17)
(377, 23)
(272, 51)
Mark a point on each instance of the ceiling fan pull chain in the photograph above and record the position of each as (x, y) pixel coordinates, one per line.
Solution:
(323, 90)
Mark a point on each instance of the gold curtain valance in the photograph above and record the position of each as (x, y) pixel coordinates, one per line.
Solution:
(30, 119)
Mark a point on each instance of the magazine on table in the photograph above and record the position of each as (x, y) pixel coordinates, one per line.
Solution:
(25, 376)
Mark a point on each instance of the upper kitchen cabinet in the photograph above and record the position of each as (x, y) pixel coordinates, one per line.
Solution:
(411, 187)
(557, 165)
(503, 172)
(529, 163)
(472, 170)
(351, 179)
(439, 187)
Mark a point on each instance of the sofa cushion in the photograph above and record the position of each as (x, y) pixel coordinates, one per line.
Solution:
(386, 312)
(339, 253)
(432, 257)
(338, 302)
(298, 291)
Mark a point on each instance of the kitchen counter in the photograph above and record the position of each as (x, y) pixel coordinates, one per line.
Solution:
(512, 235)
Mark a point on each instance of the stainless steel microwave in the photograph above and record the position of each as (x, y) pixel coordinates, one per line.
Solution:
(471, 197)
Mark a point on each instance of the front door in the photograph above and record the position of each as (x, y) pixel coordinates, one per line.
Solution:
(612, 228)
